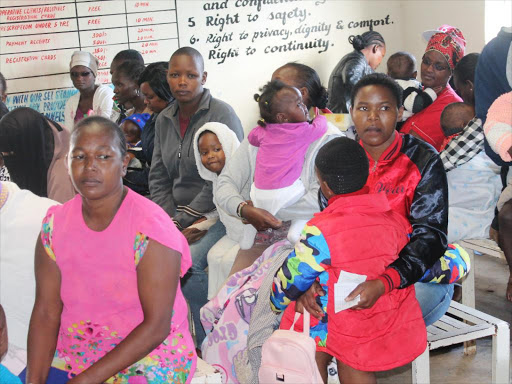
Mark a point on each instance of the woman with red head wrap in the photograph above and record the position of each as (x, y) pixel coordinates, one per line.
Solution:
(444, 50)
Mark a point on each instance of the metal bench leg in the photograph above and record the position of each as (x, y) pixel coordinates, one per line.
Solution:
(421, 368)
(468, 284)
(501, 354)
(468, 298)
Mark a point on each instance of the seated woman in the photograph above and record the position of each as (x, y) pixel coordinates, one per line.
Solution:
(444, 49)
(174, 182)
(412, 176)
(135, 326)
(91, 99)
(21, 214)
(232, 306)
(34, 150)
(126, 88)
(157, 96)
(235, 182)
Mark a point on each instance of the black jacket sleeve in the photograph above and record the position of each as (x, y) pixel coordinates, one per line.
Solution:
(428, 217)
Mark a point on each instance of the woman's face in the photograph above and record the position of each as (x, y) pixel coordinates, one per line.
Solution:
(290, 77)
(186, 78)
(125, 89)
(152, 101)
(82, 77)
(95, 163)
(464, 89)
(375, 114)
(376, 57)
(435, 71)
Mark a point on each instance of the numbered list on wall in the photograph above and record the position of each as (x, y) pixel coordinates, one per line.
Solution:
(37, 39)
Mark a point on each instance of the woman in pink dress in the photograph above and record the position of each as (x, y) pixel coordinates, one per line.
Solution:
(108, 263)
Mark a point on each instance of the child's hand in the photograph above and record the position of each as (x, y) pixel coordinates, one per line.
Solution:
(308, 301)
(370, 292)
(193, 234)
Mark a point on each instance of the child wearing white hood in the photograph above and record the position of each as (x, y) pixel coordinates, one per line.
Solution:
(214, 145)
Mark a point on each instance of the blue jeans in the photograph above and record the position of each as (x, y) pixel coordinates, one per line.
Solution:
(194, 284)
(434, 300)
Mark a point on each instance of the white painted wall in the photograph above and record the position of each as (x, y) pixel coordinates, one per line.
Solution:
(420, 15)
(237, 79)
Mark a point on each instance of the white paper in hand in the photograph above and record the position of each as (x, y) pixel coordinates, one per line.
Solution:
(347, 282)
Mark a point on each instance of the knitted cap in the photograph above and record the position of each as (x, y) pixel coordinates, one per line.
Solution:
(138, 118)
(343, 164)
(447, 40)
(86, 59)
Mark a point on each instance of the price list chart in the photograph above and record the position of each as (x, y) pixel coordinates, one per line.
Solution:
(38, 37)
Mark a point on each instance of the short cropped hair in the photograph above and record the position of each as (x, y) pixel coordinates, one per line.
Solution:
(192, 52)
(343, 165)
(378, 79)
(107, 124)
(129, 55)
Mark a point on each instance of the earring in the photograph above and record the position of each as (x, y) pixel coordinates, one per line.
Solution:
(137, 92)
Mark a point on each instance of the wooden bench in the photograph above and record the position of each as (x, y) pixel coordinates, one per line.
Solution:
(464, 324)
(460, 324)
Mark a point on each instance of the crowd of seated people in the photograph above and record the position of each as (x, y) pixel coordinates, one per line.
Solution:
(148, 204)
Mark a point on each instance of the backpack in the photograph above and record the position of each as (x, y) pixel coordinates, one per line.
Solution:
(289, 357)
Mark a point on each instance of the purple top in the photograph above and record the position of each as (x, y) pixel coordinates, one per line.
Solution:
(282, 149)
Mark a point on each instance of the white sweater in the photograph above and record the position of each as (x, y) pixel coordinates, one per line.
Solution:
(102, 103)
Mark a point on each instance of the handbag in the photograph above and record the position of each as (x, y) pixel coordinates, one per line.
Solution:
(289, 357)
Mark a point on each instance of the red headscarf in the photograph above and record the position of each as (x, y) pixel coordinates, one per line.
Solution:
(449, 41)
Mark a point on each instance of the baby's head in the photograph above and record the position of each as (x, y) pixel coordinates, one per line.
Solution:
(212, 154)
(133, 126)
(279, 103)
(402, 66)
(341, 167)
(455, 117)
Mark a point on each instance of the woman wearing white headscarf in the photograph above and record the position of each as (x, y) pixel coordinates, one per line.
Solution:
(91, 99)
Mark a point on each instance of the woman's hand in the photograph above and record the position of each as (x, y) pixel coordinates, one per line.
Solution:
(308, 301)
(370, 292)
(193, 234)
(260, 218)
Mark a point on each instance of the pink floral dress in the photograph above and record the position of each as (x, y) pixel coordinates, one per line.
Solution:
(99, 289)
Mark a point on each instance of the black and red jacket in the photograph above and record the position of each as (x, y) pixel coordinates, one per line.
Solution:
(412, 175)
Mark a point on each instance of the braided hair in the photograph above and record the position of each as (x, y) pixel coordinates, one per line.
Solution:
(360, 42)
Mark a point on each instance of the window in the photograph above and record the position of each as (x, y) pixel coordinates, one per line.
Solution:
(498, 13)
